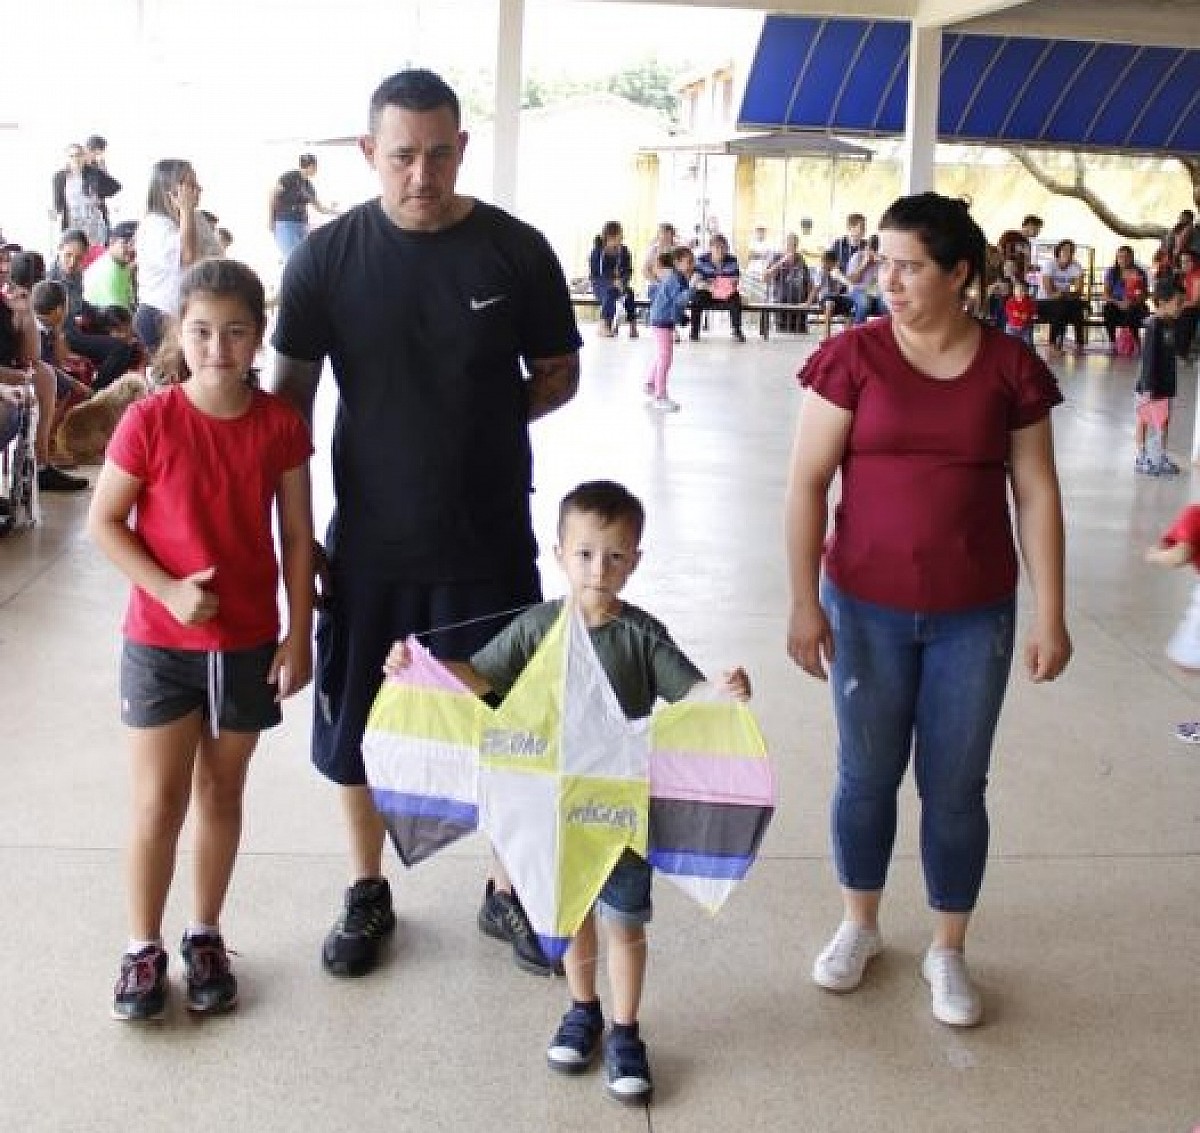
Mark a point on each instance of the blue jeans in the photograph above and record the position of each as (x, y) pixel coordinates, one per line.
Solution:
(609, 295)
(933, 685)
(289, 234)
(866, 305)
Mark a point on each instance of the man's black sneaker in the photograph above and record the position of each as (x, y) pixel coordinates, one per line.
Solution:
(352, 946)
(738, 336)
(51, 479)
(211, 987)
(503, 917)
(141, 991)
(577, 1040)
(626, 1069)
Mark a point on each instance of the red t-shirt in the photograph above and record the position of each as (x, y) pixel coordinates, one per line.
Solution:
(923, 520)
(1019, 313)
(208, 489)
(1186, 529)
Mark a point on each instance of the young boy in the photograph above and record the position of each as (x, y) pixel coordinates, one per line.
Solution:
(599, 529)
(1156, 381)
(830, 286)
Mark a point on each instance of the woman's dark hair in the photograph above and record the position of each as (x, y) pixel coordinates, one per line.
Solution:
(26, 269)
(611, 228)
(609, 501)
(1066, 242)
(1117, 254)
(165, 177)
(415, 89)
(218, 279)
(946, 229)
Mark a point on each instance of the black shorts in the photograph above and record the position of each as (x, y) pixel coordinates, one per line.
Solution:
(363, 615)
(160, 686)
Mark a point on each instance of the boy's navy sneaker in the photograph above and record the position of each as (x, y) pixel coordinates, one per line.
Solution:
(211, 986)
(626, 1069)
(141, 990)
(352, 946)
(577, 1040)
(503, 917)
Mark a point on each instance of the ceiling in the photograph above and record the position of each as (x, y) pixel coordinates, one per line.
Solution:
(1169, 23)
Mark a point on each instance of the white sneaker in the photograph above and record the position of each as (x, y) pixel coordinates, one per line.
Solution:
(666, 405)
(955, 1000)
(841, 964)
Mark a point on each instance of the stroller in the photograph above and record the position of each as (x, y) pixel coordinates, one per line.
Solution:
(18, 473)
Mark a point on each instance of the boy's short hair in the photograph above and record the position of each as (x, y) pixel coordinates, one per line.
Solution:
(74, 236)
(26, 269)
(47, 296)
(1033, 218)
(1166, 288)
(609, 501)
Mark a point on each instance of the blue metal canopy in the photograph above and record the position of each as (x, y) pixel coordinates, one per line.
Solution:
(850, 77)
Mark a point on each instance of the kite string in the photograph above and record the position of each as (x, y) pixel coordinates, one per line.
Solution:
(654, 638)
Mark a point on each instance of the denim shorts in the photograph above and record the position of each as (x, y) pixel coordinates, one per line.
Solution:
(160, 686)
(625, 898)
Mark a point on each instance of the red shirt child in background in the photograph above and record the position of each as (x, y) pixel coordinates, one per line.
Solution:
(1020, 312)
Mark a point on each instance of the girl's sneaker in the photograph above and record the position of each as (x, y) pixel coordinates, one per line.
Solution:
(1188, 732)
(211, 987)
(666, 405)
(141, 991)
(1143, 464)
(1166, 466)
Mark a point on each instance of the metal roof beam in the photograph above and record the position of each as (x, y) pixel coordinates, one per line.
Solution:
(942, 13)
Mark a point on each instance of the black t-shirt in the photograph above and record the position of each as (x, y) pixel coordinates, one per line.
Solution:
(295, 194)
(425, 333)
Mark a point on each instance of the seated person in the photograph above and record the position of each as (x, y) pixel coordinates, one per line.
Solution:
(789, 281)
(831, 289)
(1002, 288)
(665, 240)
(761, 253)
(108, 280)
(1060, 296)
(1126, 287)
(715, 286)
(610, 270)
(26, 269)
(111, 356)
(862, 271)
(1185, 325)
(20, 368)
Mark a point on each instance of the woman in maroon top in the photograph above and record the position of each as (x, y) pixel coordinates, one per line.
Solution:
(930, 417)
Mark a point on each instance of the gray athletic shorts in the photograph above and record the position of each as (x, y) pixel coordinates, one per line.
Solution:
(160, 686)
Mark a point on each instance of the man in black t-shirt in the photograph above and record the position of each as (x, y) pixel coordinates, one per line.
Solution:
(426, 303)
(291, 198)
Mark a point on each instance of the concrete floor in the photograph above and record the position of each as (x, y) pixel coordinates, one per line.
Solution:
(1086, 944)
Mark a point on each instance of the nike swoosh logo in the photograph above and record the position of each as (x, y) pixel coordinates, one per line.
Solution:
(480, 304)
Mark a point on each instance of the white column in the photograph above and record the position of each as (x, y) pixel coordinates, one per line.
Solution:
(920, 131)
(510, 33)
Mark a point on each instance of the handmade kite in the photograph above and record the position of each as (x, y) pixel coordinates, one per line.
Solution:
(562, 782)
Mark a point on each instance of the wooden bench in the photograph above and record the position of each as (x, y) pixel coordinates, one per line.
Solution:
(764, 311)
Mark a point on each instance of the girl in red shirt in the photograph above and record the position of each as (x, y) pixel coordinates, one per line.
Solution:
(183, 506)
(931, 418)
